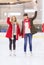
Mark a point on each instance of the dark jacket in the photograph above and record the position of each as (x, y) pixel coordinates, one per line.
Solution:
(33, 29)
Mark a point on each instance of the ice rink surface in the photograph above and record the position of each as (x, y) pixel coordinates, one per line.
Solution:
(37, 57)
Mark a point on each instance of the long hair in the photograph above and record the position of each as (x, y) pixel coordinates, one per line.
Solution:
(12, 19)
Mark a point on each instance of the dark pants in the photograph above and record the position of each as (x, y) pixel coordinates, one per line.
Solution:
(12, 41)
(30, 41)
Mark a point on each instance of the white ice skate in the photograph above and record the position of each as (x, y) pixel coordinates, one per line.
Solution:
(10, 53)
(30, 53)
(14, 53)
(25, 53)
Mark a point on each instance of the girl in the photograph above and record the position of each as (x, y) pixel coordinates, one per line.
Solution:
(12, 33)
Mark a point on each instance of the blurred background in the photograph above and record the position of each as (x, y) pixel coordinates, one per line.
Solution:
(18, 8)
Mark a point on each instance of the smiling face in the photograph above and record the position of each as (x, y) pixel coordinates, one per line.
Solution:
(25, 17)
(14, 19)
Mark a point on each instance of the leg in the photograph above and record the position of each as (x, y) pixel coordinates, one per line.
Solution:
(14, 42)
(30, 42)
(10, 44)
(25, 43)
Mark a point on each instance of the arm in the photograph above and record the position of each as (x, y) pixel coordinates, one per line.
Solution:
(22, 27)
(35, 15)
(22, 30)
(18, 31)
(8, 21)
(42, 27)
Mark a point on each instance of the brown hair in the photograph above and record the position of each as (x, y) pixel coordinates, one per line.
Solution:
(25, 14)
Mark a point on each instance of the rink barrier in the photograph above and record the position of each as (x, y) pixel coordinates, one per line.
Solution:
(38, 35)
(33, 37)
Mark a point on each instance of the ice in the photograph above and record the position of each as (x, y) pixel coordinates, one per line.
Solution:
(37, 57)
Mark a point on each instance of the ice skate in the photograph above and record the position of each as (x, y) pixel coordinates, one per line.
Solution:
(10, 53)
(14, 53)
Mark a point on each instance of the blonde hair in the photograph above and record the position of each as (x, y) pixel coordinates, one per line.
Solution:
(12, 18)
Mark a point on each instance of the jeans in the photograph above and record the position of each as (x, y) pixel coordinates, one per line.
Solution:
(29, 35)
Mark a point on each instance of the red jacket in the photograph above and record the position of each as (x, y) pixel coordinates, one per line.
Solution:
(42, 27)
(23, 26)
(9, 31)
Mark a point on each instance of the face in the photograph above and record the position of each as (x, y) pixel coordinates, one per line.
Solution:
(25, 17)
(14, 18)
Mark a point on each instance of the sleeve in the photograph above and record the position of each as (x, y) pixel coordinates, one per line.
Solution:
(8, 21)
(42, 27)
(35, 15)
(18, 32)
(22, 27)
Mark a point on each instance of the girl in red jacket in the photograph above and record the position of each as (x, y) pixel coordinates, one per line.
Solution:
(43, 27)
(12, 33)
